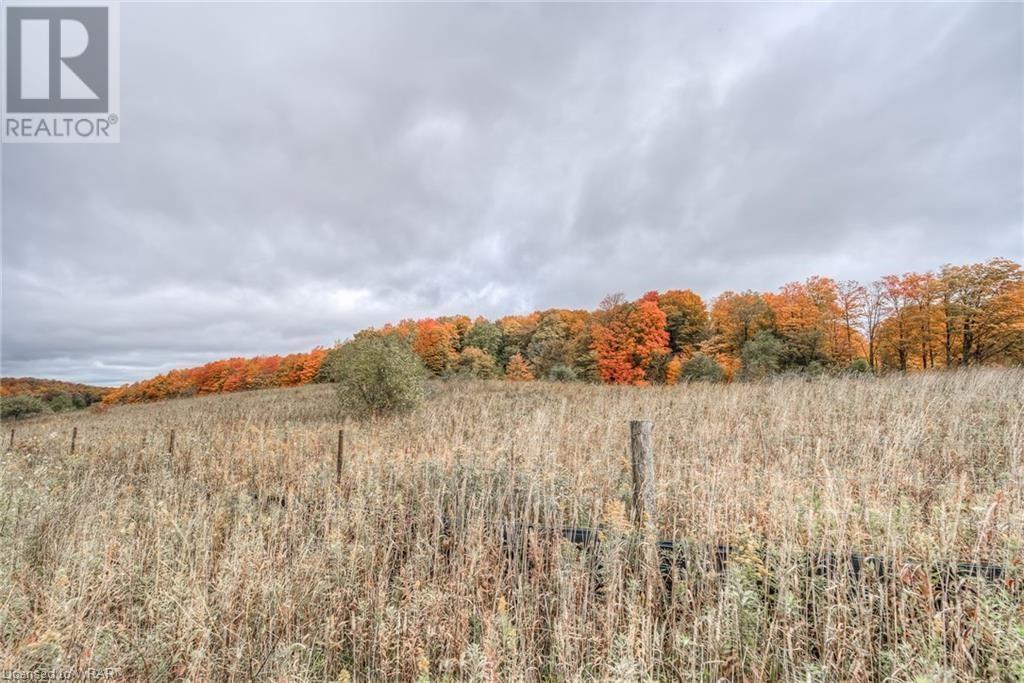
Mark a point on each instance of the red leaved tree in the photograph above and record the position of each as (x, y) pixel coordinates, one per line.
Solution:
(628, 337)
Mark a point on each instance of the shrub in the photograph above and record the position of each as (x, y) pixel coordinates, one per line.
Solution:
(476, 363)
(858, 366)
(762, 355)
(815, 368)
(562, 373)
(21, 406)
(62, 402)
(657, 368)
(376, 375)
(703, 368)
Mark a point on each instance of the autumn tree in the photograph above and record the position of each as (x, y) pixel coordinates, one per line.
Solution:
(290, 371)
(559, 341)
(486, 336)
(824, 293)
(628, 338)
(985, 312)
(260, 373)
(673, 370)
(800, 323)
(474, 362)
(875, 311)
(460, 325)
(435, 343)
(516, 331)
(736, 318)
(585, 364)
(403, 329)
(311, 365)
(550, 344)
(518, 370)
(851, 301)
(925, 315)
(686, 319)
(897, 295)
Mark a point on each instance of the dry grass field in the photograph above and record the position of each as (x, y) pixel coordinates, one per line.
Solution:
(239, 557)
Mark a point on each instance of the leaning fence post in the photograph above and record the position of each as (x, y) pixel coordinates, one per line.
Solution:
(74, 435)
(170, 444)
(642, 452)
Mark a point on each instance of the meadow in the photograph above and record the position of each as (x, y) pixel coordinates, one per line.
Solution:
(239, 555)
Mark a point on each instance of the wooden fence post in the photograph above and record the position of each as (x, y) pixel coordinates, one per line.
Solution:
(338, 459)
(74, 435)
(642, 452)
(10, 447)
(170, 445)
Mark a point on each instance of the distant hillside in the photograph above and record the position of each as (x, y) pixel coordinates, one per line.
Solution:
(49, 389)
(224, 376)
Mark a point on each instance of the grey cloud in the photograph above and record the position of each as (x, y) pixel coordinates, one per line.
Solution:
(290, 174)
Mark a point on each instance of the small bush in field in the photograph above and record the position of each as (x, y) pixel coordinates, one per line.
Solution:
(377, 375)
(562, 373)
(21, 406)
(762, 356)
(858, 366)
(477, 364)
(703, 368)
(62, 402)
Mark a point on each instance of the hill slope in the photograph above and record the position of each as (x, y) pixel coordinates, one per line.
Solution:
(48, 389)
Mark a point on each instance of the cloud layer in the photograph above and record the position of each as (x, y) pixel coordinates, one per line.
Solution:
(289, 174)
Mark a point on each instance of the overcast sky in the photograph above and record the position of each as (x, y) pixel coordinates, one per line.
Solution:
(289, 174)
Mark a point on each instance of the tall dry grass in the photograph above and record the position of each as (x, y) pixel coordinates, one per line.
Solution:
(239, 557)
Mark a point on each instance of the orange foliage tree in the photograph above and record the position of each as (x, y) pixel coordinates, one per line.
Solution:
(984, 312)
(436, 343)
(518, 369)
(628, 337)
(735, 319)
(895, 338)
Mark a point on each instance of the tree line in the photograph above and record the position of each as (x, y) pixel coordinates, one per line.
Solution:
(223, 376)
(24, 396)
(959, 316)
